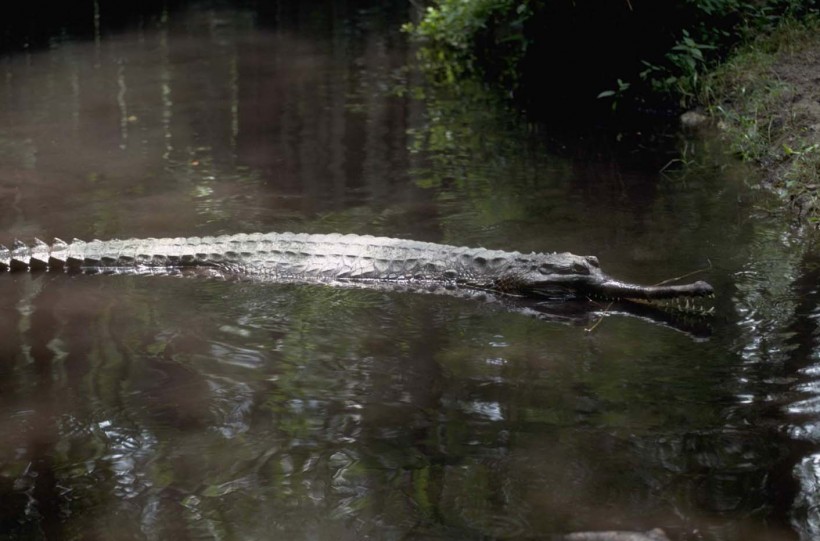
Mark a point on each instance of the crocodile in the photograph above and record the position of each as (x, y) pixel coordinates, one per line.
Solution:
(352, 260)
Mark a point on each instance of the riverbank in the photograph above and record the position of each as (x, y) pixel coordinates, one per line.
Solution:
(766, 100)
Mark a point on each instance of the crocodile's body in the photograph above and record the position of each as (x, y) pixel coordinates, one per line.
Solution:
(346, 259)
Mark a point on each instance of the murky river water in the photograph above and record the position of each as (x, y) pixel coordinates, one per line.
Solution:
(138, 407)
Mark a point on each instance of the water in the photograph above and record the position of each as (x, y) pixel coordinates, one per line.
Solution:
(139, 407)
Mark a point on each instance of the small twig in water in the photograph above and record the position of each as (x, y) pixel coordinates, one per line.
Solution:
(687, 275)
(600, 319)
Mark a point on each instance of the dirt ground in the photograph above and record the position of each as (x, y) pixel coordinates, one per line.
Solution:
(789, 126)
(801, 72)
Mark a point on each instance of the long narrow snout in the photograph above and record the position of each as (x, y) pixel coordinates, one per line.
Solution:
(621, 290)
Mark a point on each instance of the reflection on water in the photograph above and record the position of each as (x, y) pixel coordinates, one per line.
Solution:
(202, 118)
(802, 350)
(147, 407)
(436, 420)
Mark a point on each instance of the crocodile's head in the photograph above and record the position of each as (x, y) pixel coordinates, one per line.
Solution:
(569, 275)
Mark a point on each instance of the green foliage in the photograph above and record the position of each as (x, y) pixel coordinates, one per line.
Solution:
(491, 38)
(616, 94)
(461, 33)
(679, 71)
(456, 22)
(718, 26)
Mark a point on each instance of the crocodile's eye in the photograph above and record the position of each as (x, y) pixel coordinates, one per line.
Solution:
(580, 268)
(546, 268)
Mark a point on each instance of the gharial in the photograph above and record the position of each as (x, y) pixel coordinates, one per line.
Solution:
(352, 260)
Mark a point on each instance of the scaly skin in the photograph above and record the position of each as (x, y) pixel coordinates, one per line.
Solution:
(347, 258)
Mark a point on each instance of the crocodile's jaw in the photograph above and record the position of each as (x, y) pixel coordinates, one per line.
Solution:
(596, 285)
(616, 289)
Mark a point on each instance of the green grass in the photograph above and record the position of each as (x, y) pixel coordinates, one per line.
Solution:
(755, 111)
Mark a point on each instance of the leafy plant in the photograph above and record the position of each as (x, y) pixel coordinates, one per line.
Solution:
(615, 94)
(459, 36)
(679, 74)
(511, 42)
